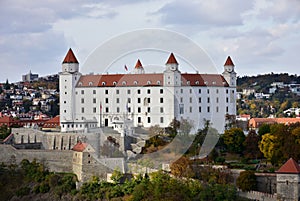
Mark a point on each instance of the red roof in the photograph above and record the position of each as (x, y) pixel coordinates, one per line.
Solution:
(291, 166)
(228, 62)
(8, 137)
(52, 123)
(172, 59)
(138, 64)
(80, 146)
(70, 57)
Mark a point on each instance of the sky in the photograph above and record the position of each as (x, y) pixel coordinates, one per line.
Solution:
(261, 36)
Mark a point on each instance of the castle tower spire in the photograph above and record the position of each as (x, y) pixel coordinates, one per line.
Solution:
(138, 69)
(229, 74)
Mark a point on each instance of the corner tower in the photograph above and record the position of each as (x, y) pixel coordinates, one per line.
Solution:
(229, 74)
(68, 79)
(138, 69)
(172, 76)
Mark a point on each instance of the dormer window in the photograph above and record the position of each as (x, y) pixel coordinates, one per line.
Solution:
(188, 82)
(197, 82)
(214, 83)
(206, 82)
(80, 84)
(148, 82)
(123, 83)
(103, 83)
(90, 83)
(114, 83)
(135, 82)
(158, 82)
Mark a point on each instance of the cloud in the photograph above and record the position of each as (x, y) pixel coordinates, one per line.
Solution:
(204, 13)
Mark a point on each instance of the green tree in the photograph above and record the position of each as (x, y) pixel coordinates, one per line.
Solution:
(234, 139)
(263, 129)
(246, 181)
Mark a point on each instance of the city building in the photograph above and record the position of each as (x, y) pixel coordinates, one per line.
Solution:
(29, 77)
(147, 99)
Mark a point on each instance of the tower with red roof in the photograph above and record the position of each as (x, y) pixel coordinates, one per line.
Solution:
(229, 73)
(288, 181)
(68, 79)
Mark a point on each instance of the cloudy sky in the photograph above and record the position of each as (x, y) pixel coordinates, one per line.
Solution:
(261, 36)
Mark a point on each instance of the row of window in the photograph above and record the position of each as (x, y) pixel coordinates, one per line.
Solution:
(161, 91)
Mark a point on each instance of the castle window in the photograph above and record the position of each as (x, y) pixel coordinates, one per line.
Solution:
(94, 91)
(128, 91)
(199, 99)
(208, 109)
(191, 99)
(103, 83)
(148, 82)
(139, 119)
(128, 100)
(217, 109)
(82, 100)
(217, 99)
(148, 91)
(148, 109)
(94, 100)
(135, 82)
(191, 109)
(117, 91)
(199, 91)
(208, 91)
(94, 111)
(139, 100)
(117, 100)
(149, 119)
(161, 120)
(118, 109)
(123, 83)
(114, 83)
(161, 110)
(217, 91)
(158, 82)
(139, 91)
(82, 91)
(161, 100)
(199, 109)
(188, 82)
(227, 91)
(106, 91)
(106, 100)
(227, 100)
(181, 90)
(227, 109)
(90, 83)
(139, 110)
(197, 82)
(161, 91)
(208, 99)
(205, 82)
(82, 110)
(181, 99)
(106, 109)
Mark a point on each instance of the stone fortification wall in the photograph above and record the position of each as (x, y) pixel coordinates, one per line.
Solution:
(55, 160)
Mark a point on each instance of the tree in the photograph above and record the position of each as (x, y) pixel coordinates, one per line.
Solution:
(263, 129)
(182, 168)
(251, 145)
(269, 146)
(234, 139)
(246, 181)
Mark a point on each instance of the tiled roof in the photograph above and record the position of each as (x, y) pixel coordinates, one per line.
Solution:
(8, 137)
(80, 146)
(149, 80)
(52, 123)
(291, 166)
(228, 62)
(276, 120)
(138, 64)
(172, 59)
(7, 119)
(70, 57)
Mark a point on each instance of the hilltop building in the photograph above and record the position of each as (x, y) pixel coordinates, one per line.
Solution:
(90, 101)
(29, 77)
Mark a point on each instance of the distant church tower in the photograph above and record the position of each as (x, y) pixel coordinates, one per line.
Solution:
(229, 74)
(68, 79)
(288, 181)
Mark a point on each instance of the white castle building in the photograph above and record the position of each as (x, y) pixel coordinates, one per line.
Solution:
(144, 99)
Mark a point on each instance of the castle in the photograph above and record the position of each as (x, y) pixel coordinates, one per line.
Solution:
(147, 99)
